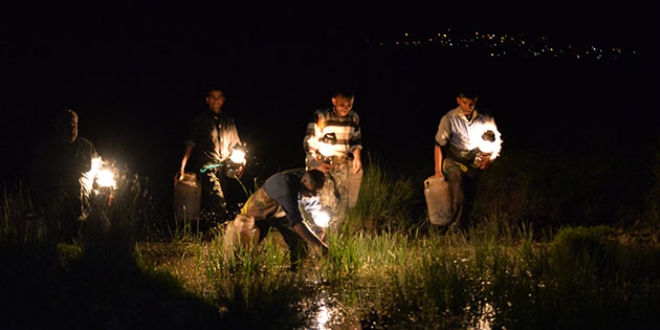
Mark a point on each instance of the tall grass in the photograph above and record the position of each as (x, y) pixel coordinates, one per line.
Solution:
(386, 200)
(389, 271)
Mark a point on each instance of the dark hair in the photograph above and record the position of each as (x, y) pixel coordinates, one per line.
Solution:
(65, 116)
(316, 177)
(468, 91)
(214, 88)
(344, 91)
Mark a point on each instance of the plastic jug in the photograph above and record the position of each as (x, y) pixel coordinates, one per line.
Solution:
(438, 201)
(187, 198)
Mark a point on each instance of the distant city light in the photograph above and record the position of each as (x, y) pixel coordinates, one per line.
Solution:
(507, 45)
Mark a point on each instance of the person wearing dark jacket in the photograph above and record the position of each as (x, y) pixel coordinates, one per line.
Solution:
(212, 137)
(60, 177)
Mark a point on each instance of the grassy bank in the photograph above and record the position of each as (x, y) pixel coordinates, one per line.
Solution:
(556, 242)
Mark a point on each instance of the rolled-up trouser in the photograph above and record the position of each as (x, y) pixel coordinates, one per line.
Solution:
(241, 232)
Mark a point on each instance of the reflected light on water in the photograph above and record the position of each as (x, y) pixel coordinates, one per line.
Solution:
(483, 319)
(330, 314)
(322, 317)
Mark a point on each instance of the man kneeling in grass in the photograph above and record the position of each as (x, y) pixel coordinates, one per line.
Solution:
(277, 204)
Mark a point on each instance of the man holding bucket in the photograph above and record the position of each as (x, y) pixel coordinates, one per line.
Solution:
(466, 143)
(212, 138)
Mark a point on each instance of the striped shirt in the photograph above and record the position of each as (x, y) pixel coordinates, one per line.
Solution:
(346, 129)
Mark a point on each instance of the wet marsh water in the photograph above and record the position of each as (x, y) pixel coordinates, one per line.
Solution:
(430, 283)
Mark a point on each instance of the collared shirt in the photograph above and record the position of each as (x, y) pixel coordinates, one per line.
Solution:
(346, 129)
(462, 134)
(213, 136)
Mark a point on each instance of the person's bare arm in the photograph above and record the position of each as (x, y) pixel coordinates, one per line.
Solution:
(184, 161)
(304, 232)
(438, 162)
(357, 161)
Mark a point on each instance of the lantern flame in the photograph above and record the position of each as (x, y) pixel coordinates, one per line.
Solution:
(323, 142)
(103, 176)
(321, 218)
(487, 139)
(237, 156)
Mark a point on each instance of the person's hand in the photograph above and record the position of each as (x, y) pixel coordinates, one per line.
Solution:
(357, 165)
(324, 167)
(239, 172)
(485, 163)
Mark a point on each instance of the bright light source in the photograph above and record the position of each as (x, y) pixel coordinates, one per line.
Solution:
(237, 156)
(491, 146)
(321, 218)
(105, 178)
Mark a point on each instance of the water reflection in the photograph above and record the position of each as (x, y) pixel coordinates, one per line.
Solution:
(483, 318)
(326, 313)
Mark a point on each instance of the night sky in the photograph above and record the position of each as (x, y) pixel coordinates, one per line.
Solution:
(137, 73)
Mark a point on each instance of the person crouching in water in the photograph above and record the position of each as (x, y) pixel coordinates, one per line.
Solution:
(277, 204)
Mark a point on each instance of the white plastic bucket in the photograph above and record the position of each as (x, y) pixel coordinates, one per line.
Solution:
(438, 201)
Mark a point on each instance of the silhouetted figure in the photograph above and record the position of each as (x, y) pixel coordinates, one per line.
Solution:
(60, 179)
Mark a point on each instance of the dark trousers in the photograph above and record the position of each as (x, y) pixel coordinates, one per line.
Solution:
(297, 246)
(213, 210)
(463, 180)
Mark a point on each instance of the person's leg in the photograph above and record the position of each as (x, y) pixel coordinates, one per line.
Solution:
(470, 181)
(297, 246)
(213, 200)
(338, 201)
(454, 175)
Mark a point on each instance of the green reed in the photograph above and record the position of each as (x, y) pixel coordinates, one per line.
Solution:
(387, 271)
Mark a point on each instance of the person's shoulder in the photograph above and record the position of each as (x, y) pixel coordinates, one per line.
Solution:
(86, 143)
(324, 110)
(293, 172)
(451, 112)
(84, 140)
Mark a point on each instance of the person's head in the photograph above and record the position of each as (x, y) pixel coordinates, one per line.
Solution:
(66, 124)
(215, 98)
(343, 101)
(467, 101)
(311, 182)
